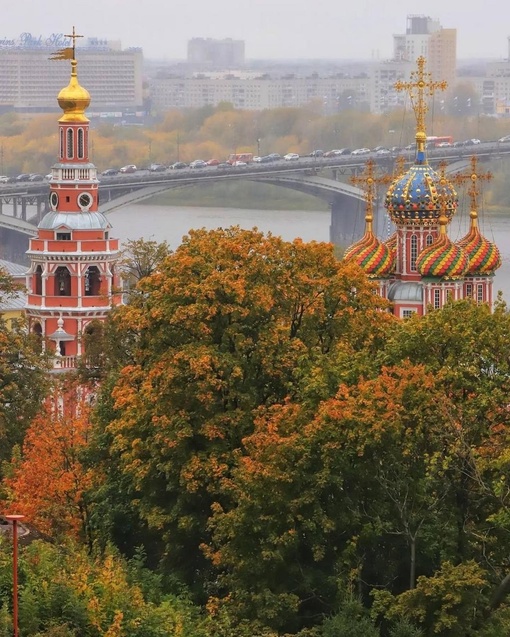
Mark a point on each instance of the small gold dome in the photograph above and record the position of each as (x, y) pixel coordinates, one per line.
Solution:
(73, 99)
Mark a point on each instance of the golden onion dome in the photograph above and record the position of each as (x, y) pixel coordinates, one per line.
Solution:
(74, 99)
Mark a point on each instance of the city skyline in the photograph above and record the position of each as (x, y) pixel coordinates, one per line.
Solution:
(272, 29)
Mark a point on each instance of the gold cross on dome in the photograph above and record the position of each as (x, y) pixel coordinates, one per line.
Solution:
(368, 182)
(73, 36)
(473, 176)
(419, 87)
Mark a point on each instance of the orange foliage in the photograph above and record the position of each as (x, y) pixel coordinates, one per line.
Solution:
(47, 483)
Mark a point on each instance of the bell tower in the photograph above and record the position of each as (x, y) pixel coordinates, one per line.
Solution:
(72, 278)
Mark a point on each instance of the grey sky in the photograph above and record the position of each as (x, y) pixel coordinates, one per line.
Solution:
(335, 29)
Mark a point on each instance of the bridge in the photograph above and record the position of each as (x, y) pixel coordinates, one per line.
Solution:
(22, 205)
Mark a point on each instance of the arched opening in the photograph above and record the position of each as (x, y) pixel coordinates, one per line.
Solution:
(81, 144)
(62, 281)
(92, 281)
(38, 334)
(38, 281)
(414, 252)
(70, 148)
(92, 344)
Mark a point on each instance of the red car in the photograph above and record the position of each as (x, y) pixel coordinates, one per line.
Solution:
(213, 162)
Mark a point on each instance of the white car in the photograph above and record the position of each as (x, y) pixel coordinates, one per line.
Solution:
(291, 156)
(130, 168)
(361, 151)
(504, 139)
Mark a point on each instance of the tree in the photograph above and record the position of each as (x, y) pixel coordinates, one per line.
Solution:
(23, 380)
(46, 484)
(232, 322)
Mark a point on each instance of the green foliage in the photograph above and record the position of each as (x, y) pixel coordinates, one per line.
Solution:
(23, 379)
(351, 621)
(404, 628)
(64, 592)
(450, 603)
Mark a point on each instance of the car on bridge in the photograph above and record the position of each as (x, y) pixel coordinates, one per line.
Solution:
(361, 151)
(504, 140)
(157, 168)
(316, 153)
(214, 162)
(130, 168)
(36, 177)
(23, 177)
(178, 165)
(198, 163)
(110, 172)
(291, 157)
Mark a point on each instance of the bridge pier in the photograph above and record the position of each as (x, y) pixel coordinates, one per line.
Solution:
(347, 220)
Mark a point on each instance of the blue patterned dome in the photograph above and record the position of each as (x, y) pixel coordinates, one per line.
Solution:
(420, 195)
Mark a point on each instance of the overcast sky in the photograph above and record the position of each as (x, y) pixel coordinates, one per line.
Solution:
(279, 29)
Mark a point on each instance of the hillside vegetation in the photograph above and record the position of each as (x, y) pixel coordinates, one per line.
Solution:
(30, 145)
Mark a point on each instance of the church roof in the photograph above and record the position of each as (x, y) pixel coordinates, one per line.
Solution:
(74, 221)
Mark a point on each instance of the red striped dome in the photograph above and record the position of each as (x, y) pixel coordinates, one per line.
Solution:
(375, 257)
(442, 260)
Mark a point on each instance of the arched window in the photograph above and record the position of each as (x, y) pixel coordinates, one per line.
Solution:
(62, 281)
(430, 239)
(37, 330)
(414, 252)
(81, 144)
(38, 280)
(437, 299)
(70, 149)
(61, 143)
(92, 281)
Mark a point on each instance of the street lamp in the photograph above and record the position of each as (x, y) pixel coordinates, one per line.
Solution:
(258, 146)
(15, 519)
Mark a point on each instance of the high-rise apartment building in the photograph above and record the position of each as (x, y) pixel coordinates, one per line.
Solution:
(426, 37)
(29, 80)
(207, 52)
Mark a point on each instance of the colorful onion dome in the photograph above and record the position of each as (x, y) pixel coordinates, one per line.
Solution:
(420, 195)
(375, 257)
(442, 259)
(483, 255)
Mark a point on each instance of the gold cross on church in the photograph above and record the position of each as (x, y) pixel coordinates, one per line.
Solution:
(419, 87)
(69, 53)
(73, 37)
(368, 182)
(473, 176)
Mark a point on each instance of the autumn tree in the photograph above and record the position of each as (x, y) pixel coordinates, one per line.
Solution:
(22, 375)
(232, 322)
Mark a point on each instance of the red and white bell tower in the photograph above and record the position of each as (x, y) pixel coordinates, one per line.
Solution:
(72, 278)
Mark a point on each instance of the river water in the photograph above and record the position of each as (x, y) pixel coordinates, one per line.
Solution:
(171, 223)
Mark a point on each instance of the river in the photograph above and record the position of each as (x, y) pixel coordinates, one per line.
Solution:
(171, 223)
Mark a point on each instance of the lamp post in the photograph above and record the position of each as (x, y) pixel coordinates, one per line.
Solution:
(14, 519)
(258, 146)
